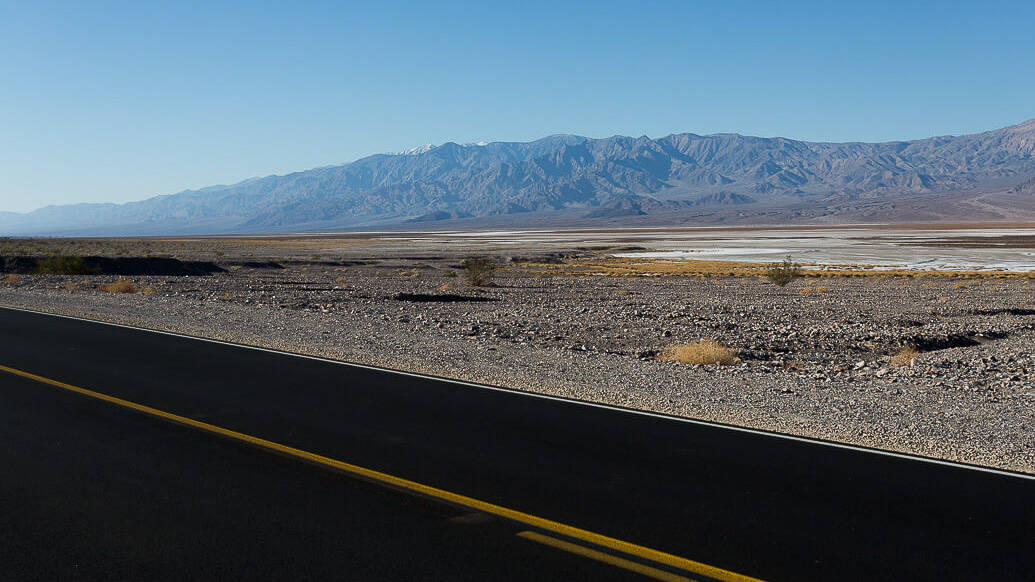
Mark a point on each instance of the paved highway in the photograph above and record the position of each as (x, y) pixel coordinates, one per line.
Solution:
(132, 455)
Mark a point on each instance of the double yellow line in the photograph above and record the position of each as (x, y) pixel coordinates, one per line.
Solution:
(441, 494)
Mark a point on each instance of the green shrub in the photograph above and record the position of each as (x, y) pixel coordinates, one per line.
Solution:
(65, 265)
(783, 273)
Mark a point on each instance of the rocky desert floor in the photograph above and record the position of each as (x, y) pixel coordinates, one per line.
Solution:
(935, 364)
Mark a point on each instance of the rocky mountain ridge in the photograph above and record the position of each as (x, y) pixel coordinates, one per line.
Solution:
(676, 178)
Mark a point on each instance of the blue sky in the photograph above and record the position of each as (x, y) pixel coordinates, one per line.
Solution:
(118, 101)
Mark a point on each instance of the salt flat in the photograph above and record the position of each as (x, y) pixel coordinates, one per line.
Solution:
(977, 247)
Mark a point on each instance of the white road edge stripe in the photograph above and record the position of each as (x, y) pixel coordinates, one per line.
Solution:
(731, 427)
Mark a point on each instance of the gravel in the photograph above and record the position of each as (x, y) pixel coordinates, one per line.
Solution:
(816, 365)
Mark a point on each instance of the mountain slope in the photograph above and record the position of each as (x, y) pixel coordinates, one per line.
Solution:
(566, 177)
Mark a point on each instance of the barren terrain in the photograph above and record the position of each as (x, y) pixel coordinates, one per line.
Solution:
(821, 357)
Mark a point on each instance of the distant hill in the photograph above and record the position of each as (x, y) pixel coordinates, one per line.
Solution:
(569, 179)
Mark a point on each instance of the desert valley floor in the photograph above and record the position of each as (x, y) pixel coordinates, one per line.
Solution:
(588, 315)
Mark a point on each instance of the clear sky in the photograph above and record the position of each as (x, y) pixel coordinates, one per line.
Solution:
(117, 101)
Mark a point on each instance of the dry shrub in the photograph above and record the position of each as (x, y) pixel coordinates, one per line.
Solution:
(449, 274)
(699, 353)
(12, 279)
(339, 279)
(822, 289)
(148, 291)
(478, 270)
(120, 286)
(444, 287)
(410, 272)
(905, 356)
(806, 290)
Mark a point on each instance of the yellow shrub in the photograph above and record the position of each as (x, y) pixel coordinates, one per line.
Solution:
(905, 356)
(120, 286)
(699, 353)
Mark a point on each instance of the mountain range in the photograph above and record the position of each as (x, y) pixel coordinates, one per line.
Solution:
(562, 180)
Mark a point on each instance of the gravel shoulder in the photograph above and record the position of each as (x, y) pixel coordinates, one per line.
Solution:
(815, 364)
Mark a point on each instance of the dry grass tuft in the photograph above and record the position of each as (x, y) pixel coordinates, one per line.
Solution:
(444, 287)
(12, 279)
(622, 292)
(148, 291)
(959, 286)
(699, 353)
(120, 286)
(943, 299)
(905, 357)
(806, 290)
(410, 272)
(339, 279)
(822, 289)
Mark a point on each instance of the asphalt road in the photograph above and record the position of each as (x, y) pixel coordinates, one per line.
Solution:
(92, 490)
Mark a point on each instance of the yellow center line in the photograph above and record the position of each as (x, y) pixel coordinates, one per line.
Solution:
(427, 490)
(602, 557)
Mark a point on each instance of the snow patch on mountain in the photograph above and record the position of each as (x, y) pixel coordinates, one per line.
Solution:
(415, 151)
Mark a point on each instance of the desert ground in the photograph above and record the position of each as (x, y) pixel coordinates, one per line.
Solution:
(916, 339)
